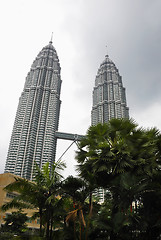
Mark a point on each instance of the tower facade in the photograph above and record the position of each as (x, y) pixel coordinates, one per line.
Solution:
(33, 137)
(109, 99)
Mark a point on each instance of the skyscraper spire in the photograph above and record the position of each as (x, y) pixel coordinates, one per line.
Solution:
(106, 52)
(51, 41)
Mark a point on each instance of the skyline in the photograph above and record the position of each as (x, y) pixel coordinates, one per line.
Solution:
(81, 30)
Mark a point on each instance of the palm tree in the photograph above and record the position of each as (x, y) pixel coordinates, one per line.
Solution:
(76, 190)
(30, 195)
(105, 149)
(42, 194)
(50, 179)
(103, 153)
(121, 158)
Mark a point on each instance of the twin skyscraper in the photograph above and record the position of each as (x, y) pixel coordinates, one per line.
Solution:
(35, 131)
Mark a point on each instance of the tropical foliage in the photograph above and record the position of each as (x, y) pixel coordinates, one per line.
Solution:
(121, 159)
(125, 161)
(42, 194)
(15, 222)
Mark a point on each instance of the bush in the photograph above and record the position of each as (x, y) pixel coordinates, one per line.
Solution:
(6, 236)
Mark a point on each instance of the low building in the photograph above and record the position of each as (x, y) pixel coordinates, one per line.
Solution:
(6, 179)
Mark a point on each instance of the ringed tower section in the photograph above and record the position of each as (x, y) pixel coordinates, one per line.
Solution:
(109, 98)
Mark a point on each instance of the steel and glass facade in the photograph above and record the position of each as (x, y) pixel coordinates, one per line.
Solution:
(33, 137)
(109, 99)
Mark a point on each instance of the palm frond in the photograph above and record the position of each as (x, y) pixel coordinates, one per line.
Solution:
(16, 204)
(72, 215)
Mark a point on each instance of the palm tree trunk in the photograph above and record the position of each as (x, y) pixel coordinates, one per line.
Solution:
(74, 231)
(51, 227)
(48, 226)
(40, 212)
(90, 213)
(80, 230)
(47, 230)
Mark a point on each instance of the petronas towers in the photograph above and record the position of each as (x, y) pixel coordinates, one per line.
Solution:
(34, 135)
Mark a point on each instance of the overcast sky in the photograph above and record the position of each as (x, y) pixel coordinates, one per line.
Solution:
(82, 29)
